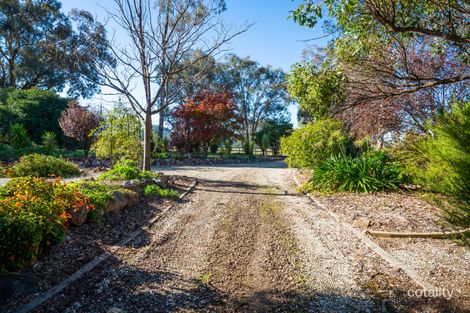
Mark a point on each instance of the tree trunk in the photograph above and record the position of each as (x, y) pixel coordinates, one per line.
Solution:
(161, 122)
(147, 141)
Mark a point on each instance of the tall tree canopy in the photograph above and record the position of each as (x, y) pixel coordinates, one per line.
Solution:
(404, 62)
(44, 48)
(260, 92)
(372, 32)
(162, 34)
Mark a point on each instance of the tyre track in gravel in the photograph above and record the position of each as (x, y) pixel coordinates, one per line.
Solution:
(244, 241)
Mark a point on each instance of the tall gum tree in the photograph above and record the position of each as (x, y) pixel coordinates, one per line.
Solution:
(261, 92)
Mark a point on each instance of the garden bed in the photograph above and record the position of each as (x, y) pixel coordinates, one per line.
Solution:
(84, 243)
(439, 262)
(385, 211)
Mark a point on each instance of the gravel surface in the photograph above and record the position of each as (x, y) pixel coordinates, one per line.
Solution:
(246, 241)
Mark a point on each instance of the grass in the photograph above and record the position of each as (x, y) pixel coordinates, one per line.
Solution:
(155, 190)
(206, 278)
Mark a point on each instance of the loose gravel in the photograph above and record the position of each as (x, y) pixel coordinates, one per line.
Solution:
(246, 241)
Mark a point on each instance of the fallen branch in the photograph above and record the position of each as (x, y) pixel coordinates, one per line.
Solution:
(433, 235)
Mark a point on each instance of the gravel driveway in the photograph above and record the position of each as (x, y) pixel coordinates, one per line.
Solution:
(245, 241)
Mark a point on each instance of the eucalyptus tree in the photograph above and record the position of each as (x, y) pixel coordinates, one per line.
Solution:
(260, 93)
(379, 41)
(42, 47)
(160, 35)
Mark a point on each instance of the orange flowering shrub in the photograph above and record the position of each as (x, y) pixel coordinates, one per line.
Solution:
(34, 214)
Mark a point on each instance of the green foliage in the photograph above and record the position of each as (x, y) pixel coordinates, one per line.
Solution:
(160, 149)
(313, 143)
(368, 173)
(18, 136)
(43, 166)
(118, 137)
(317, 91)
(264, 142)
(49, 141)
(155, 190)
(213, 147)
(124, 170)
(441, 162)
(33, 214)
(271, 133)
(248, 147)
(99, 195)
(42, 46)
(227, 148)
(38, 110)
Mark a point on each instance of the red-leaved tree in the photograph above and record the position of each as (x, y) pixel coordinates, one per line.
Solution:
(77, 122)
(206, 118)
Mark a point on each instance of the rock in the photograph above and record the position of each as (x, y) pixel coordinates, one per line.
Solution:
(78, 216)
(17, 284)
(163, 180)
(122, 199)
(361, 223)
(114, 310)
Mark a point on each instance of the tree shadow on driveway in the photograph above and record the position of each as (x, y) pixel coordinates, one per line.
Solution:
(117, 284)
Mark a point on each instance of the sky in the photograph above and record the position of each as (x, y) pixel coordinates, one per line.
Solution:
(273, 39)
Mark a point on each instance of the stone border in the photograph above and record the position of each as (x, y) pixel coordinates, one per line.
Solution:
(40, 299)
(389, 258)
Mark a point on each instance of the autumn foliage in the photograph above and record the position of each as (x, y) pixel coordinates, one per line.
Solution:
(77, 122)
(207, 118)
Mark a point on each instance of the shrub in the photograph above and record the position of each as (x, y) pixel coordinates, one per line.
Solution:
(313, 143)
(118, 137)
(43, 166)
(18, 137)
(213, 147)
(441, 162)
(367, 173)
(99, 195)
(33, 214)
(155, 190)
(160, 149)
(49, 141)
(126, 169)
(248, 147)
(227, 149)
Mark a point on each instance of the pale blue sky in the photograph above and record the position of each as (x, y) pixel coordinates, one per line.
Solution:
(273, 40)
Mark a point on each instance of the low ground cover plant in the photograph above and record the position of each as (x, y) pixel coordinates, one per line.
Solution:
(155, 190)
(99, 194)
(126, 169)
(40, 165)
(33, 215)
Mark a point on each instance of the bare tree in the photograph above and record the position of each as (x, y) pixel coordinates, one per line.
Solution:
(161, 34)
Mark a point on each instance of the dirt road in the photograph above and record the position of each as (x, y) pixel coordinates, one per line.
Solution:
(245, 241)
